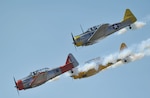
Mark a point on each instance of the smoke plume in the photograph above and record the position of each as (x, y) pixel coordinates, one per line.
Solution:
(136, 25)
(132, 53)
(129, 54)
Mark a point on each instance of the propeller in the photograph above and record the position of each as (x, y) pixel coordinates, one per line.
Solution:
(74, 41)
(16, 85)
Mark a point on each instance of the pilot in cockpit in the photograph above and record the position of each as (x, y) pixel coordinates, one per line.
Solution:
(33, 73)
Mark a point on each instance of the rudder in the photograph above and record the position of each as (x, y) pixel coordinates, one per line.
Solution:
(123, 46)
(129, 15)
(71, 59)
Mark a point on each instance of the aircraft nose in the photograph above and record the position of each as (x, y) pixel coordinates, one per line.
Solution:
(19, 85)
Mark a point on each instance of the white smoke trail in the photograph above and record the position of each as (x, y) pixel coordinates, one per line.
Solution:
(122, 31)
(110, 58)
(87, 66)
(74, 71)
(84, 68)
(116, 64)
(146, 19)
(136, 25)
(135, 53)
(144, 45)
(130, 54)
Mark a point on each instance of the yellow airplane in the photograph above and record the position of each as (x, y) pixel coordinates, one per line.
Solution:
(93, 71)
(98, 32)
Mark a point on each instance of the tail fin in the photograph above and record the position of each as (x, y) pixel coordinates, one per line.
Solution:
(129, 16)
(123, 46)
(71, 59)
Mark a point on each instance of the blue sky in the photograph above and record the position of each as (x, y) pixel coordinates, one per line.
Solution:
(37, 33)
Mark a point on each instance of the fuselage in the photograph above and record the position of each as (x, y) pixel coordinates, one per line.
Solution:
(41, 76)
(91, 71)
(103, 31)
(82, 39)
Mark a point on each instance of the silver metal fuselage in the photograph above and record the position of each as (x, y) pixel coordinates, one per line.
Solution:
(102, 31)
(41, 77)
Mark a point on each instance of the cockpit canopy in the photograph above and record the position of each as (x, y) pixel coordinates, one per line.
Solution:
(93, 28)
(38, 71)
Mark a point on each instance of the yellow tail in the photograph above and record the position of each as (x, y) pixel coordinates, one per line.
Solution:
(129, 15)
(123, 46)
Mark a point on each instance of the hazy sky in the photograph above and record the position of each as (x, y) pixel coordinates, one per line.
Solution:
(37, 33)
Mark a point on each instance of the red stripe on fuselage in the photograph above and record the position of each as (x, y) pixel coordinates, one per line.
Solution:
(66, 67)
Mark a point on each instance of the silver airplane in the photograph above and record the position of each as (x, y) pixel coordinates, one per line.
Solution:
(98, 32)
(41, 76)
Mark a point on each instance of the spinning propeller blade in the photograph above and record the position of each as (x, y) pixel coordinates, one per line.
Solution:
(74, 42)
(16, 85)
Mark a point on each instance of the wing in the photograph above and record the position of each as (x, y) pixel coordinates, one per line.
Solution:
(38, 79)
(99, 33)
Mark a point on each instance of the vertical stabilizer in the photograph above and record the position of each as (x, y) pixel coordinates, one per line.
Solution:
(71, 63)
(129, 16)
(123, 46)
(71, 59)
